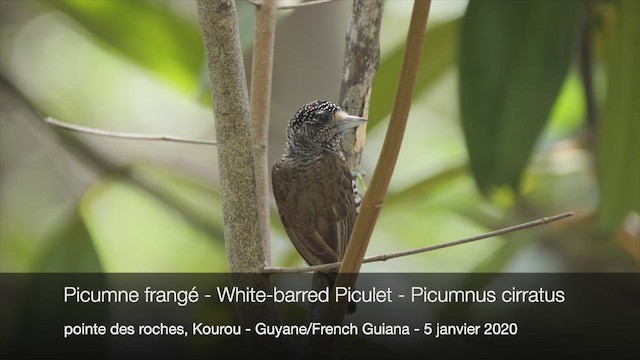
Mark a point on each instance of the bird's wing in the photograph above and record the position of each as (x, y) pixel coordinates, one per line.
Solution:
(316, 205)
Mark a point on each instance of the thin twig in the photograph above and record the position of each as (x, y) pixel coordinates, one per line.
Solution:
(92, 131)
(385, 257)
(303, 4)
(103, 165)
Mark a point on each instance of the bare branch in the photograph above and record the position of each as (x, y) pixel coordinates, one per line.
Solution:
(261, 79)
(121, 135)
(385, 257)
(303, 4)
(362, 54)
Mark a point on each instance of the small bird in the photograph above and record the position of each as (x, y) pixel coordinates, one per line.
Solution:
(314, 189)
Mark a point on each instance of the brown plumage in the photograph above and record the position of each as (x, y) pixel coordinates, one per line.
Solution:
(313, 186)
(317, 206)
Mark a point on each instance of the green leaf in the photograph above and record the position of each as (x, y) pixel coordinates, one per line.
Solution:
(134, 232)
(71, 249)
(427, 185)
(619, 148)
(147, 32)
(513, 60)
(440, 54)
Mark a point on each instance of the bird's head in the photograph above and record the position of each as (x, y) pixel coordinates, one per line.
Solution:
(316, 128)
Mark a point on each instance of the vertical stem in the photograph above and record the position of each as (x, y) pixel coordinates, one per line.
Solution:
(219, 26)
(232, 119)
(261, 75)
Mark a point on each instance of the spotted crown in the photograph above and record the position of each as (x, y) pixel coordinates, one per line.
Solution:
(307, 113)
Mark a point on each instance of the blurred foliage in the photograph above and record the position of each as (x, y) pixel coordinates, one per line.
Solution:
(146, 32)
(501, 77)
(619, 146)
(440, 51)
(165, 240)
(71, 249)
(513, 59)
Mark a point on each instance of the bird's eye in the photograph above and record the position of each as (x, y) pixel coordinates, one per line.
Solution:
(323, 117)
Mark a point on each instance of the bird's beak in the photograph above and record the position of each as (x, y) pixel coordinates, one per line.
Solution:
(345, 121)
